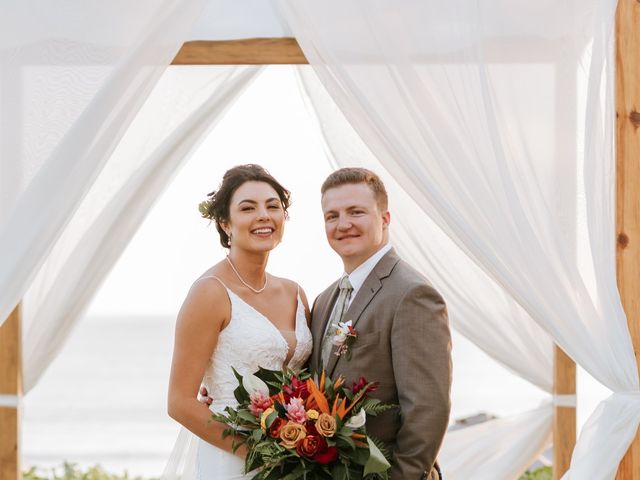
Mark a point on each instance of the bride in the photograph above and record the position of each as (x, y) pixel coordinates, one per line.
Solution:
(235, 315)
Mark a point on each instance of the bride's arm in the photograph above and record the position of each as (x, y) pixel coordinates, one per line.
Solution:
(204, 313)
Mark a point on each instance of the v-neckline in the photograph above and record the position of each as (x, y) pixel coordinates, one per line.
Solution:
(273, 325)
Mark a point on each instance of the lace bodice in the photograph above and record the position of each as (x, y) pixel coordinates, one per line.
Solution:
(248, 342)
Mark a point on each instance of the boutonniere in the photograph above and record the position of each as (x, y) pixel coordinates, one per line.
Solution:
(344, 337)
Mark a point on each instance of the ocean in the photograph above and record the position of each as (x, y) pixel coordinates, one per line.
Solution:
(103, 399)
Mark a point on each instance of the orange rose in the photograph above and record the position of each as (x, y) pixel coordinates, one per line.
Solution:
(291, 434)
(326, 425)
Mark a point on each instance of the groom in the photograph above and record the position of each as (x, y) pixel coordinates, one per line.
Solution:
(402, 334)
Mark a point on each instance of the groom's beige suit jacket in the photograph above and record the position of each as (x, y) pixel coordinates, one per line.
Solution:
(403, 343)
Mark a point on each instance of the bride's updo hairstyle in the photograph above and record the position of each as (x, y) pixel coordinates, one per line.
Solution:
(217, 206)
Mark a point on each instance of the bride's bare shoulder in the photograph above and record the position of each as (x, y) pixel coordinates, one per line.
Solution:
(207, 298)
(211, 282)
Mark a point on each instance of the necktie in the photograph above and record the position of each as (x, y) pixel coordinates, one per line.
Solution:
(336, 316)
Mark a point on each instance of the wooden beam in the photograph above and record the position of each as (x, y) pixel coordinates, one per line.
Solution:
(564, 417)
(251, 51)
(10, 389)
(628, 179)
(287, 51)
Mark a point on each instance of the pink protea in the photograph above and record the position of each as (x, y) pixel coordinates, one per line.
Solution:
(295, 410)
(259, 403)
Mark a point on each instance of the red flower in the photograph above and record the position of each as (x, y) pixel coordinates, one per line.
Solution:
(276, 426)
(326, 457)
(296, 389)
(310, 445)
(311, 428)
(360, 384)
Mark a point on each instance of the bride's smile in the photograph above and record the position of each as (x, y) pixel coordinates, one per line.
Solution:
(256, 217)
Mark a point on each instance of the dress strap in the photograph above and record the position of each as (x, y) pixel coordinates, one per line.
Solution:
(229, 296)
(214, 277)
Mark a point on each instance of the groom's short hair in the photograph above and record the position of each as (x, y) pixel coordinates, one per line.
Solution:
(354, 175)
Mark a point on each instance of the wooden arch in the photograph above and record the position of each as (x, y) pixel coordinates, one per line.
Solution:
(287, 51)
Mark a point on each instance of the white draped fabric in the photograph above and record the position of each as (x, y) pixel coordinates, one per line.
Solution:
(485, 451)
(478, 307)
(185, 104)
(496, 118)
(72, 77)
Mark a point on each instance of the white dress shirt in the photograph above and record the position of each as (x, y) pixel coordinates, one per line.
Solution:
(360, 274)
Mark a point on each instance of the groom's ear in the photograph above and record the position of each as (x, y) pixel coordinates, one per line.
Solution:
(386, 219)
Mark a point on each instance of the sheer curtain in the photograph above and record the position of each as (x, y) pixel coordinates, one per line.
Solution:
(491, 450)
(478, 307)
(72, 77)
(496, 117)
(185, 104)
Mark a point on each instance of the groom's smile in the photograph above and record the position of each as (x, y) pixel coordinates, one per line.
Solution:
(346, 237)
(355, 226)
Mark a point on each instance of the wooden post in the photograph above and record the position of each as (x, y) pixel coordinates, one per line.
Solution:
(10, 392)
(628, 179)
(565, 202)
(564, 417)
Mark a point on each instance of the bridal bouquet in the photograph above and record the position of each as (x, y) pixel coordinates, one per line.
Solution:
(295, 427)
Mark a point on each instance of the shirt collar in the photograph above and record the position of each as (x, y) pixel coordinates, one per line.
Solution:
(360, 274)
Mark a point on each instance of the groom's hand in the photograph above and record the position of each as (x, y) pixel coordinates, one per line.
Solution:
(203, 396)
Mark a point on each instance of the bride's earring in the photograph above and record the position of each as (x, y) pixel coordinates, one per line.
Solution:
(229, 236)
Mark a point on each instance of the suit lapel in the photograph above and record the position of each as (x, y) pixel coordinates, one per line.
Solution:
(320, 319)
(369, 289)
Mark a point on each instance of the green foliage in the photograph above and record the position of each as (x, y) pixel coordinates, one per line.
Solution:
(70, 471)
(382, 447)
(374, 407)
(343, 439)
(543, 473)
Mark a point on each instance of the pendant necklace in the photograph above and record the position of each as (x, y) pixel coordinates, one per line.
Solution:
(259, 290)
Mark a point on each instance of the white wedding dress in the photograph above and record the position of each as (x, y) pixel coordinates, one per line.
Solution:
(248, 342)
